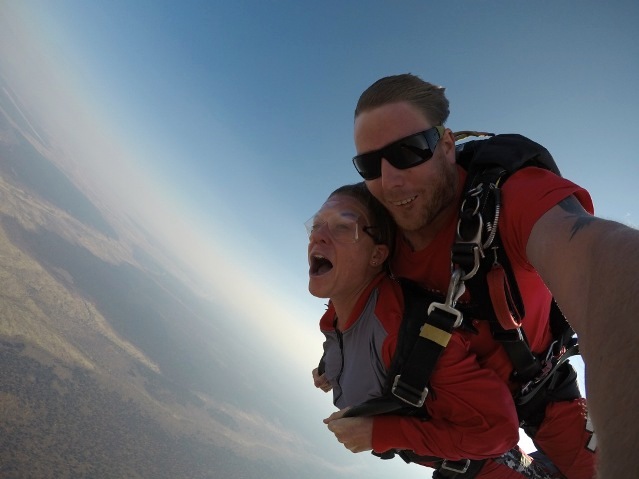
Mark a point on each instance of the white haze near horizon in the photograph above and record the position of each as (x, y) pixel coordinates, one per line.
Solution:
(243, 281)
(108, 167)
(247, 244)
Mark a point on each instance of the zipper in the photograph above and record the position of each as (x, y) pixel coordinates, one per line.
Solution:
(340, 341)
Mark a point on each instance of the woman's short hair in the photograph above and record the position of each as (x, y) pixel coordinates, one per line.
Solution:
(382, 227)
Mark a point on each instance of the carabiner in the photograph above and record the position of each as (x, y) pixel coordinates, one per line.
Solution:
(456, 287)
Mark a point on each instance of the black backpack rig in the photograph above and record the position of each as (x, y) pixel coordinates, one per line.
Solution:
(479, 262)
(479, 257)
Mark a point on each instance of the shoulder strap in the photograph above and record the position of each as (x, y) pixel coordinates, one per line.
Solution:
(478, 250)
(425, 334)
(426, 327)
(509, 151)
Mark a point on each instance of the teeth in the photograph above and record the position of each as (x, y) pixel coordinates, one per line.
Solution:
(404, 202)
(318, 256)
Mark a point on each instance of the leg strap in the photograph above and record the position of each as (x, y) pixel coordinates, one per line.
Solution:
(561, 387)
(462, 469)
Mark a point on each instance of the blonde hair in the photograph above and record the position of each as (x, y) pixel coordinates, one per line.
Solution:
(426, 97)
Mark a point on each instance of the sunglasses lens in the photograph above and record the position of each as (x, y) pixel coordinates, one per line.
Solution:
(405, 153)
(369, 165)
(407, 156)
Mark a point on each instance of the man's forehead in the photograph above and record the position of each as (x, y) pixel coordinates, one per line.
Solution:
(377, 127)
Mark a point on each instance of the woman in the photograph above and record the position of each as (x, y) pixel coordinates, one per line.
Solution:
(471, 411)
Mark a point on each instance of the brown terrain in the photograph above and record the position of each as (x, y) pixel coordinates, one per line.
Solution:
(104, 369)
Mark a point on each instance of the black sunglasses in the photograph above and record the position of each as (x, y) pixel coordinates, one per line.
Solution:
(405, 153)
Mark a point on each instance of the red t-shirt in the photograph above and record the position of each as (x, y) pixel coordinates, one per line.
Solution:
(526, 196)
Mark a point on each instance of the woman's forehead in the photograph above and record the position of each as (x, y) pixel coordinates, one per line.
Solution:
(343, 204)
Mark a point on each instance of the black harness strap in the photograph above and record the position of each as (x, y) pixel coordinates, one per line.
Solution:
(462, 469)
(469, 468)
(411, 384)
(425, 330)
(478, 250)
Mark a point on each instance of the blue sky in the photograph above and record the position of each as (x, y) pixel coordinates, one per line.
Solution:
(222, 126)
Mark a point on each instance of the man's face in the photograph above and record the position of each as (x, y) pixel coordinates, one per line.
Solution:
(416, 197)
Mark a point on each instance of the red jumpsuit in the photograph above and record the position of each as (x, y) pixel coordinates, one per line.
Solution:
(564, 435)
(472, 412)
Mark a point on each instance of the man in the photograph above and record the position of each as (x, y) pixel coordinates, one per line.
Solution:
(585, 261)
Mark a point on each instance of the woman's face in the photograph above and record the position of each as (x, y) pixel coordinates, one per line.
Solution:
(342, 257)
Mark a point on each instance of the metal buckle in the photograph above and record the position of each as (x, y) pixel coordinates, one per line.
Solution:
(450, 310)
(456, 288)
(509, 335)
(476, 240)
(416, 397)
(459, 467)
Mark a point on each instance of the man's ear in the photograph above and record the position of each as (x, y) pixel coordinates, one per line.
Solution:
(380, 253)
(448, 140)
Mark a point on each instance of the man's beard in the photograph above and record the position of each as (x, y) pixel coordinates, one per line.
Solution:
(436, 198)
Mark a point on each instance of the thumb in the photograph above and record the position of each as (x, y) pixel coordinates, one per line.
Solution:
(336, 415)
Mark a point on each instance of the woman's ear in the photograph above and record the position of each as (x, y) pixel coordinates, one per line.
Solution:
(380, 253)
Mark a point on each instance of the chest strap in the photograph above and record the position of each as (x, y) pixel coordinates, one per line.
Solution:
(410, 385)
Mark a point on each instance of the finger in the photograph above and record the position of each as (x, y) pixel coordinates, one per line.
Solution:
(330, 418)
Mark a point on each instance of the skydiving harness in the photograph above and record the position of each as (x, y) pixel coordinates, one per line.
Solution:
(478, 260)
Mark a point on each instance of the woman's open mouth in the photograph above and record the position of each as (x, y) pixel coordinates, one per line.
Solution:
(319, 265)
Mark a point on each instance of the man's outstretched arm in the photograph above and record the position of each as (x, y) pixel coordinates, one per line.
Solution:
(591, 266)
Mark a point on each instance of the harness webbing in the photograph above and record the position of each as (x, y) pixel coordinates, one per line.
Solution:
(480, 254)
(411, 384)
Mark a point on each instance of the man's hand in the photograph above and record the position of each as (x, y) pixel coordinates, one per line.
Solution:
(321, 382)
(356, 433)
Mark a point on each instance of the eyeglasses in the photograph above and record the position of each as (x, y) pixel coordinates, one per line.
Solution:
(402, 154)
(342, 226)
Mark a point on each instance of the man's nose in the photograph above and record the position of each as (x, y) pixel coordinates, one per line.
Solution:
(391, 176)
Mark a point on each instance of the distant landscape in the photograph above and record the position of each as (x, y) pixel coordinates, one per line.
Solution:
(104, 368)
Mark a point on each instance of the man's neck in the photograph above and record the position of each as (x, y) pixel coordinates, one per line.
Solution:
(420, 239)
